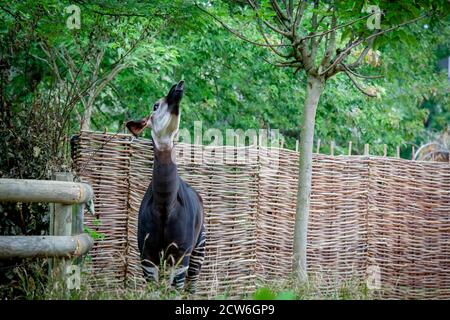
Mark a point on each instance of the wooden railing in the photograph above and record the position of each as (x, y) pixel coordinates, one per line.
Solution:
(66, 198)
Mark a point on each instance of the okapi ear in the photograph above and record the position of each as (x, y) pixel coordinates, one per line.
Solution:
(137, 126)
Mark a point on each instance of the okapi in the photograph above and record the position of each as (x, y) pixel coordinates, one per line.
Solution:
(171, 219)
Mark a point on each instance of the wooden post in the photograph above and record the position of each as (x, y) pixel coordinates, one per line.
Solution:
(366, 149)
(61, 214)
(384, 150)
(398, 151)
(318, 146)
(413, 152)
(332, 148)
(296, 145)
(349, 148)
(77, 219)
(78, 225)
(198, 140)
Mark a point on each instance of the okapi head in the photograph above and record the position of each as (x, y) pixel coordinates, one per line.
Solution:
(163, 120)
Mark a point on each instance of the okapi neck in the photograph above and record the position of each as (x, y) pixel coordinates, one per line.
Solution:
(165, 178)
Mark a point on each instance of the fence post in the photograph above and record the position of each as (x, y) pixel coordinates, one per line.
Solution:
(77, 219)
(60, 224)
(366, 149)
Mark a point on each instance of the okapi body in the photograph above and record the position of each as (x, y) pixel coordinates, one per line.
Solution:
(171, 220)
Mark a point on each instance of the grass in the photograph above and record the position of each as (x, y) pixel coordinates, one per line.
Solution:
(314, 289)
(35, 283)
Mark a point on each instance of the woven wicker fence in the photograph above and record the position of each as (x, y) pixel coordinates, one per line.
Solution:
(369, 215)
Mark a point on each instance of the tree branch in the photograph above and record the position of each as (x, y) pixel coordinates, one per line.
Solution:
(73, 75)
(298, 16)
(283, 64)
(358, 86)
(313, 42)
(363, 54)
(261, 31)
(331, 45)
(314, 23)
(237, 34)
(345, 53)
(109, 78)
(290, 9)
(358, 75)
(51, 62)
(278, 11)
(313, 35)
(255, 8)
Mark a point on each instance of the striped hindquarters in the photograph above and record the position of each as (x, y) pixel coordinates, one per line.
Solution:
(196, 262)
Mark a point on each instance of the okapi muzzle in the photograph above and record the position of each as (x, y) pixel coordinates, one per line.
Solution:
(171, 219)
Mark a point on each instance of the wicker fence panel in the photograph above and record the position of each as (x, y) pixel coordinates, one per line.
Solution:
(337, 231)
(409, 227)
(228, 186)
(367, 213)
(276, 212)
(141, 163)
(104, 161)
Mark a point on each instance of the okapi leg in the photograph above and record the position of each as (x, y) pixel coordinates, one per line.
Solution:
(151, 270)
(196, 262)
(180, 273)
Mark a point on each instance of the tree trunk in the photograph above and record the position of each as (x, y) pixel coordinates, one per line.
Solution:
(315, 87)
(86, 120)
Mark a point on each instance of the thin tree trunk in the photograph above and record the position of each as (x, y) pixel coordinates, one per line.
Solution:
(315, 87)
(86, 120)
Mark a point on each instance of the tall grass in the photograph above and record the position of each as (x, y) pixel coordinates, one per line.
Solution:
(316, 288)
(39, 284)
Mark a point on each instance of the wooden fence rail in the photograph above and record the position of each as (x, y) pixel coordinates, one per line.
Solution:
(66, 199)
(44, 191)
(44, 246)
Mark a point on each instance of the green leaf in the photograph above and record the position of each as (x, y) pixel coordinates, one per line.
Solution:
(264, 294)
(346, 34)
(286, 295)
